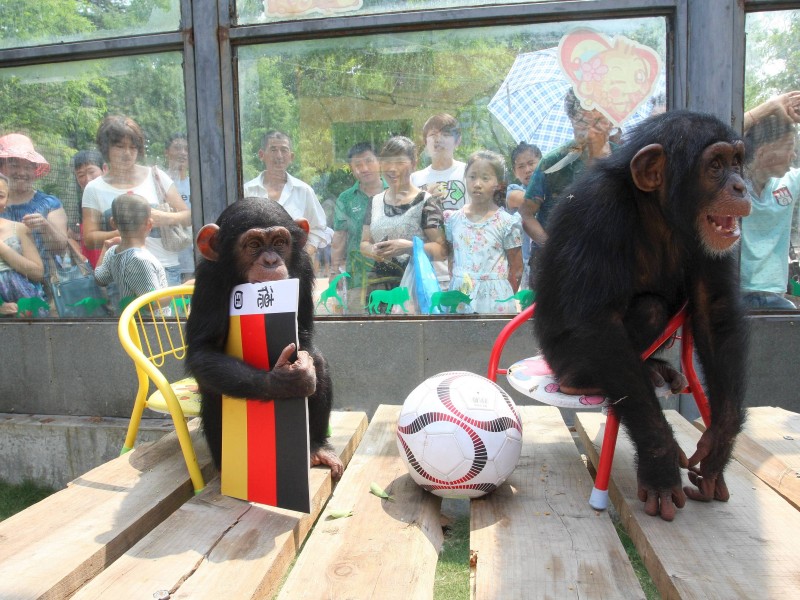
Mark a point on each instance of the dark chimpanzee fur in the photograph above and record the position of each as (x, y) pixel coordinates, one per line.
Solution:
(643, 231)
(250, 243)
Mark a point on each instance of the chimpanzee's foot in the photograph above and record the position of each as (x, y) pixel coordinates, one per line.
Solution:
(326, 456)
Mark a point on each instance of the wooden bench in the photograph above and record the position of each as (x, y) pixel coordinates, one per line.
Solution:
(133, 529)
(537, 536)
(387, 549)
(745, 548)
(770, 448)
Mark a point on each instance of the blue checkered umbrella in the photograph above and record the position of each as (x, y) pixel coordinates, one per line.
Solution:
(530, 101)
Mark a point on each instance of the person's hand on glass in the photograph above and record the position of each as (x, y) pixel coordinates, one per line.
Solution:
(786, 105)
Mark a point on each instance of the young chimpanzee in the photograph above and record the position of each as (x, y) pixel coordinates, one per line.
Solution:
(641, 232)
(255, 240)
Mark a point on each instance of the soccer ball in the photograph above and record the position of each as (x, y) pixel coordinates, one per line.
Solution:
(460, 435)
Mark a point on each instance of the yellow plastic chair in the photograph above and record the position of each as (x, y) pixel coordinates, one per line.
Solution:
(151, 329)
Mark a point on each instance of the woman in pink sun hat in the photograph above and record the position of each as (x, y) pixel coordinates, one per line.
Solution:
(42, 213)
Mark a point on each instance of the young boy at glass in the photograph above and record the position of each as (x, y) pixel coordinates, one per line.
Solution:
(125, 260)
(348, 221)
(87, 165)
(774, 188)
(444, 177)
(524, 160)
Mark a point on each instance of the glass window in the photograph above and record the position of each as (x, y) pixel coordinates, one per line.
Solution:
(450, 92)
(267, 11)
(49, 153)
(28, 23)
(770, 272)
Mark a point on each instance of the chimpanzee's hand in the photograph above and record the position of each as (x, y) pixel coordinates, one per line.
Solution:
(293, 379)
(712, 456)
(661, 499)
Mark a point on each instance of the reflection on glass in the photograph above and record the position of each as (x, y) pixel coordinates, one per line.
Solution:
(34, 22)
(263, 11)
(58, 109)
(336, 99)
(770, 275)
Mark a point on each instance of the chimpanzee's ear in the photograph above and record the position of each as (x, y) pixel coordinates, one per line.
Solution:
(207, 241)
(647, 168)
(303, 224)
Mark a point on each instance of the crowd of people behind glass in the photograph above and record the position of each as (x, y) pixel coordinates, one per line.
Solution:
(118, 243)
(473, 233)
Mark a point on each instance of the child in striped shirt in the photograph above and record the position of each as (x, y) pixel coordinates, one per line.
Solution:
(124, 260)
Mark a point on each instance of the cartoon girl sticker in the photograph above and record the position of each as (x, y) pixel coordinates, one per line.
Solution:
(613, 76)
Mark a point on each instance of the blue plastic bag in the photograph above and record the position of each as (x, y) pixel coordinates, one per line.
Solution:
(425, 280)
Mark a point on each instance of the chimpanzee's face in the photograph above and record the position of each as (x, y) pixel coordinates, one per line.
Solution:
(264, 254)
(725, 197)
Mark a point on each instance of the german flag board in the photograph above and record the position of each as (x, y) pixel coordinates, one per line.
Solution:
(265, 443)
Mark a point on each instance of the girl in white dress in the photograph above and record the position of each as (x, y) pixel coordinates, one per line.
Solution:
(487, 241)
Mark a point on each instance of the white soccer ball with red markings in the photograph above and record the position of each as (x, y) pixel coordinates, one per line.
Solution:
(460, 435)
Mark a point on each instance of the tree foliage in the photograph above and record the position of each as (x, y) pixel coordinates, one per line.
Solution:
(772, 55)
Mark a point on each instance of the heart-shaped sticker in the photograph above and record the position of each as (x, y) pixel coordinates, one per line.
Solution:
(613, 76)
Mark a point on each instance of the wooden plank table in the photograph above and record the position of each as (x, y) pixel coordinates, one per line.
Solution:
(536, 536)
(745, 548)
(387, 549)
(52, 548)
(770, 448)
(132, 528)
(215, 546)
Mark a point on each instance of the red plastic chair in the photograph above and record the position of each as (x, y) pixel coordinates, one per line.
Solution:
(599, 497)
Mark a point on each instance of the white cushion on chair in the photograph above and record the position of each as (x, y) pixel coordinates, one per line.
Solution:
(533, 378)
(186, 392)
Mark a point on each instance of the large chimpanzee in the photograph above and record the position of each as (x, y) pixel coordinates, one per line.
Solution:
(641, 232)
(255, 240)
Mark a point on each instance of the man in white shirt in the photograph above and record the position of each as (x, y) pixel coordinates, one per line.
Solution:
(296, 196)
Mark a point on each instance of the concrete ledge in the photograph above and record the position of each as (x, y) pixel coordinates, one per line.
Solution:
(53, 450)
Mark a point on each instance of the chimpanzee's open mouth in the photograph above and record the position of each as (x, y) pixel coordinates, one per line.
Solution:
(724, 225)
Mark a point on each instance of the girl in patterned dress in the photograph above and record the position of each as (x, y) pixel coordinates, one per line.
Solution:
(21, 268)
(487, 242)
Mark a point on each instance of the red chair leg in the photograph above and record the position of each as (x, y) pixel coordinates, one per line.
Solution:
(687, 361)
(599, 498)
(502, 338)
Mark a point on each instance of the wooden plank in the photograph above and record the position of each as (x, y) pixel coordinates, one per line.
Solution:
(770, 448)
(215, 546)
(52, 548)
(536, 536)
(745, 548)
(386, 549)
